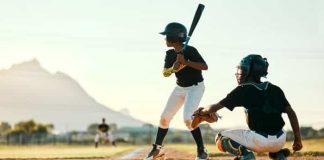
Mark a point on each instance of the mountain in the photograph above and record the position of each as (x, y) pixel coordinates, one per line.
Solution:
(28, 91)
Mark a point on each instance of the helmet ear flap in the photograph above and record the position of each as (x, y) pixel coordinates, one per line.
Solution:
(182, 36)
(259, 67)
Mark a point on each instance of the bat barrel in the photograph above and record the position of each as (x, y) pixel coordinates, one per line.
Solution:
(194, 23)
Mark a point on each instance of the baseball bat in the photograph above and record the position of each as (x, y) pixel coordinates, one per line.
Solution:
(194, 23)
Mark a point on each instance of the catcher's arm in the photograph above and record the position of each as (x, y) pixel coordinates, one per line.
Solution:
(210, 109)
(297, 145)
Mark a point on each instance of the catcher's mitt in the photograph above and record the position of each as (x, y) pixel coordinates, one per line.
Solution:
(198, 118)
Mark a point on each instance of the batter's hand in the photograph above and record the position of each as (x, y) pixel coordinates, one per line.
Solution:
(180, 58)
(177, 66)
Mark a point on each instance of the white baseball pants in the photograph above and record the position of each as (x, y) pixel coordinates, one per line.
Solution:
(255, 141)
(188, 96)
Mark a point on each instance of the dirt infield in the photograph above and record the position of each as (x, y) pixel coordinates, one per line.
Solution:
(172, 154)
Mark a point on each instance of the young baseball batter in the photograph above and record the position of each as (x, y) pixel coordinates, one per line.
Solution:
(187, 65)
(264, 104)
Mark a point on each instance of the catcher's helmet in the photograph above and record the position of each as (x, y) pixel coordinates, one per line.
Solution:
(252, 65)
(176, 30)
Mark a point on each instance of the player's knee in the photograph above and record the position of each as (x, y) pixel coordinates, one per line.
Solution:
(218, 141)
(226, 144)
(164, 122)
(188, 124)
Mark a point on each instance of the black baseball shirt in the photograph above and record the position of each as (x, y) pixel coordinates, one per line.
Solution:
(187, 76)
(264, 104)
(103, 127)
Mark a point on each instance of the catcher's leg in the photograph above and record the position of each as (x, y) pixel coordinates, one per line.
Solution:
(226, 144)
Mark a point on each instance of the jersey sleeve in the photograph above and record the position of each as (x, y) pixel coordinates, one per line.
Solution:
(168, 60)
(195, 56)
(233, 99)
(283, 99)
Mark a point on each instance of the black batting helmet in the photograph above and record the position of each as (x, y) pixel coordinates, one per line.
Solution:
(175, 30)
(252, 65)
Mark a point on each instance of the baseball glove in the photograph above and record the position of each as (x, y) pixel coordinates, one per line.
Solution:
(198, 118)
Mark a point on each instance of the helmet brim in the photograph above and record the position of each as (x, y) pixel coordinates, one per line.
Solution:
(163, 33)
(167, 33)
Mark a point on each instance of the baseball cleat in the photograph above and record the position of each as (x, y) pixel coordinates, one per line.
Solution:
(248, 156)
(281, 155)
(202, 154)
(156, 153)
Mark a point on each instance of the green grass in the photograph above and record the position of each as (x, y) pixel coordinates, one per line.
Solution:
(310, 147)
(61, 151)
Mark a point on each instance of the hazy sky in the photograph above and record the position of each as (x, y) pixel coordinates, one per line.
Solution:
(113, 49)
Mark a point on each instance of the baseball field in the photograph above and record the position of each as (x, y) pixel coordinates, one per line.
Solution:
(313, 150)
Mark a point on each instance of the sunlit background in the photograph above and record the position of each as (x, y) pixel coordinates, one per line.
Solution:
(113, 49)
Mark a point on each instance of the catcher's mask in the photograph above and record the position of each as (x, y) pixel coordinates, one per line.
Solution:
(253, 66)
(175, 32)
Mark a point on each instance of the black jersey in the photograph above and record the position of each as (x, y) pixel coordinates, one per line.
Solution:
(103, 127)
(187, 76)
(264, 104)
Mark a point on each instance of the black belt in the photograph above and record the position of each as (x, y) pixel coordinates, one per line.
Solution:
(192, 84)
(278, 134)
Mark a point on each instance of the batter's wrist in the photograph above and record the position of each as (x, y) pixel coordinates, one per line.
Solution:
(187, 62)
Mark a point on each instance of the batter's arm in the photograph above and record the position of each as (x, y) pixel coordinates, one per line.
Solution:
(167, 72)
(195, 65)
(295, 127)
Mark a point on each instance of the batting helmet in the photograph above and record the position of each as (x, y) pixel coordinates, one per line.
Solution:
(175, 30)
(253, 66)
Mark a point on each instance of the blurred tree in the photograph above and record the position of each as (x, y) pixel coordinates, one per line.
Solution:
(208, 133)
(24, 130)
(92, 128)
(321, 132)
(113, 127)
(5, 127)
(149, 127)
(308, 132)
(25, 126)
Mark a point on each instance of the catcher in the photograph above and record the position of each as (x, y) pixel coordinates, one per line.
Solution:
(103, 132)
(264, 104)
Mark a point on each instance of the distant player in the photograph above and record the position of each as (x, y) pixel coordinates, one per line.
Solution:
(264, 105)
(187, 65)
(103, 132)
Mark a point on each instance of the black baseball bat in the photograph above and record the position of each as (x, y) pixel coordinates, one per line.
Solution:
(194, 23)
